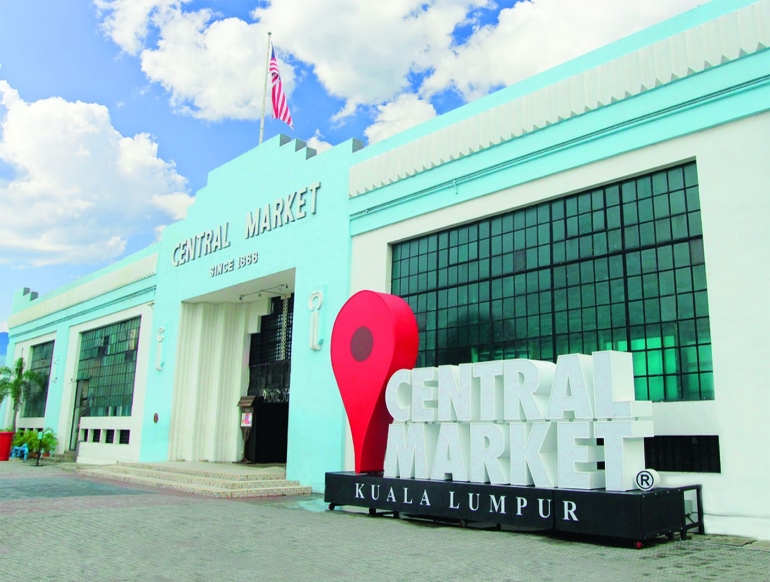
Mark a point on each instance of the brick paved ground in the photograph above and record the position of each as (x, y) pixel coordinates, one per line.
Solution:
(58, 526)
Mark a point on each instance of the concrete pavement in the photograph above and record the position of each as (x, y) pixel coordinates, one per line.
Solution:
(59, 526)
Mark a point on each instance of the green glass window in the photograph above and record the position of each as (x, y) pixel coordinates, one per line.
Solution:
(40, 361)
(619, 267)
(108, 362)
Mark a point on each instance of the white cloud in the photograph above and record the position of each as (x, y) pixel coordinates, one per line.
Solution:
(364, 53)
(127, 22)
(536, 35)
(3, 327)
(406, 111)
(175, 204)
(316, 142)
(159, 232)
(213, 70)
(212, 67)
(80, 189)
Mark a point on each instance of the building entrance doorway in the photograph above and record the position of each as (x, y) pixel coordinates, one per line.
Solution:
(269, 381)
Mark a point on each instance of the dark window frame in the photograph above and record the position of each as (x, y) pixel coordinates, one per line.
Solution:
(683, 453)
(107, 360)
(619, 266)
(41, 361)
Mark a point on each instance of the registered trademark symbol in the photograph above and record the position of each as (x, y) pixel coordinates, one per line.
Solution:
(645, 480)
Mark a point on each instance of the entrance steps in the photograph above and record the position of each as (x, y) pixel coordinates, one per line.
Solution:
(211, 479)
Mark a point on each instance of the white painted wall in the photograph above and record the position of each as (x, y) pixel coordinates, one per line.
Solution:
(734, 177)
(210, 377)
(103, 453)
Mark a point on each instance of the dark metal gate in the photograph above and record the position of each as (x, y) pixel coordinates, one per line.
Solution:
(269, 381)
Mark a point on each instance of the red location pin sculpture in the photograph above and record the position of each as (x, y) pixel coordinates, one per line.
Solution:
(374, 335)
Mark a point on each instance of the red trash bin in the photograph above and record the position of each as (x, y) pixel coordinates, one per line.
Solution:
(6, 438)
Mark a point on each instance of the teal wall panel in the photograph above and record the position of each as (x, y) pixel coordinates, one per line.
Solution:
(317, 247)
(714, 97)
(60, 324)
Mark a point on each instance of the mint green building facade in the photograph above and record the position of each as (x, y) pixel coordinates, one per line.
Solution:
(280, 237)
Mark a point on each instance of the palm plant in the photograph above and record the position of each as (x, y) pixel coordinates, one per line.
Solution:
(17, 383)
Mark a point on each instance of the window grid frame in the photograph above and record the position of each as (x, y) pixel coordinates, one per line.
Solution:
(452, 273)
(40, 361)
(108, 357)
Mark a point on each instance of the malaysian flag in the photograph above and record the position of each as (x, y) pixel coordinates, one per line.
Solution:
(280, 106)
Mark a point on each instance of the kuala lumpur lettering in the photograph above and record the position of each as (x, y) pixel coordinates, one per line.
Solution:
(520, 422)
(467, 501)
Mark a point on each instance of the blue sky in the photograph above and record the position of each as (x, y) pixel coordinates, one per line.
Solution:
(112, 112)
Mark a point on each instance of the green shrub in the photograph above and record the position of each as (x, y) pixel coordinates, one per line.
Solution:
(18, 439)
(49, 441)
(30, 438)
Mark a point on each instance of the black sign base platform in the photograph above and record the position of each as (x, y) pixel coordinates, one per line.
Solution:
(631, 515)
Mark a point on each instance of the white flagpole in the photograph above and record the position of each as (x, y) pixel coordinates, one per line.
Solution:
(264, 91)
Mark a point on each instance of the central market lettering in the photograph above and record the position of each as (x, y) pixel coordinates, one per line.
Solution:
(520, 422)
(201, 244)
(283, 211)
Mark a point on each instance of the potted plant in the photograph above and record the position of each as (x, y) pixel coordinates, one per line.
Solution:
(30, 439)
(49, 442)
(7, 437)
